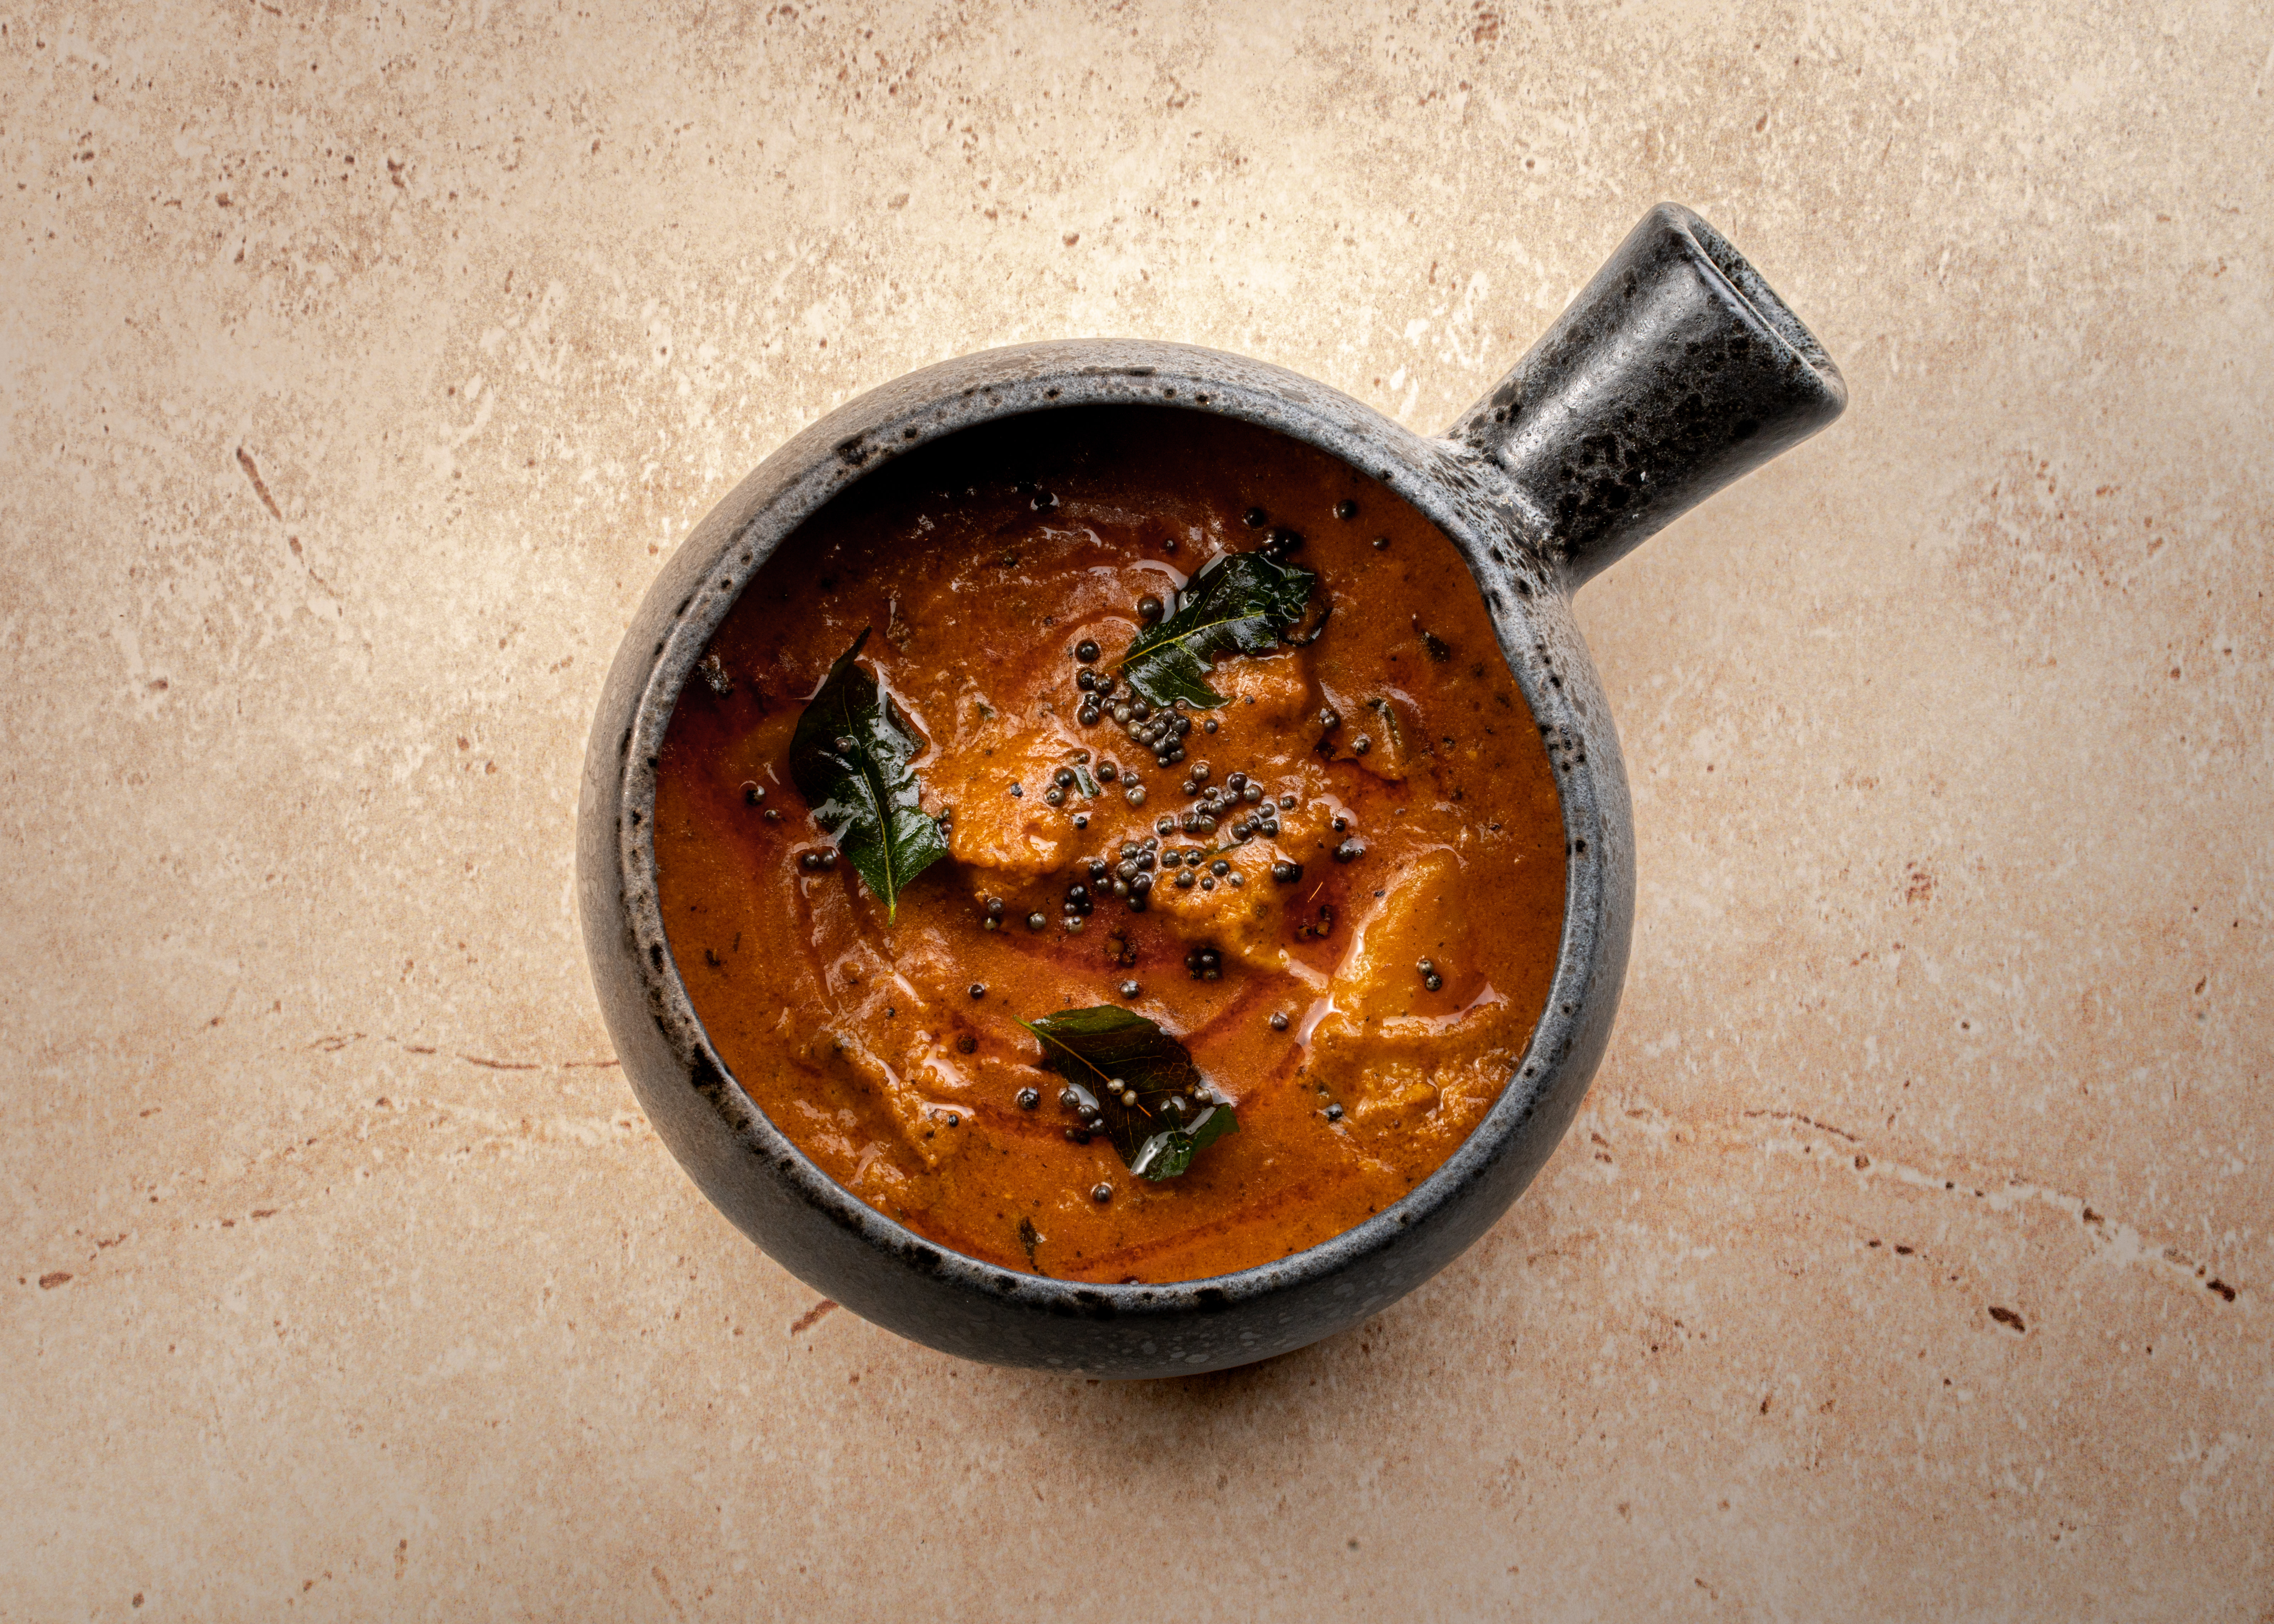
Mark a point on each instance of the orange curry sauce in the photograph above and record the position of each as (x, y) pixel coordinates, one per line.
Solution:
(979, 564)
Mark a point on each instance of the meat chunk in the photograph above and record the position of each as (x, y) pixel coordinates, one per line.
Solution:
(1379, 732)
(1246, 923)
(1390, 729)
(892, 1064)
(1273, 693)
(1423, 914)
(1390, 1051)
(922, 1123)
(981, 754)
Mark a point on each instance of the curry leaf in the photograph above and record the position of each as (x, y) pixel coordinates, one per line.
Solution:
(1106, 1053)
(1243, 603)
(852, 757)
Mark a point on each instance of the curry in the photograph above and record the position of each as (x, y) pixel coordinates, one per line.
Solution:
(1110, 843)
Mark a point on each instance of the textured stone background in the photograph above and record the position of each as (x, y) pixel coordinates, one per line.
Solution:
(359, 363)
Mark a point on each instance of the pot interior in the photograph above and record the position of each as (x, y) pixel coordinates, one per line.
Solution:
(1360, 1016)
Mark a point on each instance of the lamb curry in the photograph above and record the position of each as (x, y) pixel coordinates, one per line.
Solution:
(1110, 843)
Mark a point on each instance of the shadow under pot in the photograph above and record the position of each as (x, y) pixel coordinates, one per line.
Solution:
(1110, 856)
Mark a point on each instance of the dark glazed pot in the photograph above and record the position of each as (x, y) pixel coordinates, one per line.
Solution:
(1675, 371)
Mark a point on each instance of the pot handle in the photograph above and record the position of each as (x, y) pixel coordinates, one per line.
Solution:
(1675, 370)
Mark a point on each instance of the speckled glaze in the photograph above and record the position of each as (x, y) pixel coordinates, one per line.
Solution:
(1672, 372)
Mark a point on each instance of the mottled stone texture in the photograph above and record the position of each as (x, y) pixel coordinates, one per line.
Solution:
(1911, 1258)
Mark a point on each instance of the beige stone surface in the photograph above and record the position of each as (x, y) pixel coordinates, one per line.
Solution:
(358, 364)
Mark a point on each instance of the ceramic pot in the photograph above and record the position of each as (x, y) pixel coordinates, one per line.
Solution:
(1672, 372)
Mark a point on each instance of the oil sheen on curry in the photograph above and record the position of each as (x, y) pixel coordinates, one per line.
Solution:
(1110, 843)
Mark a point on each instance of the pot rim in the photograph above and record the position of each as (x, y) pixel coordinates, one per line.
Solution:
(1457, 488)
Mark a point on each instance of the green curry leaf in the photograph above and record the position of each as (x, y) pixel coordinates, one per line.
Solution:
(853, 759)
(1243, 603)
(1105, 1054)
